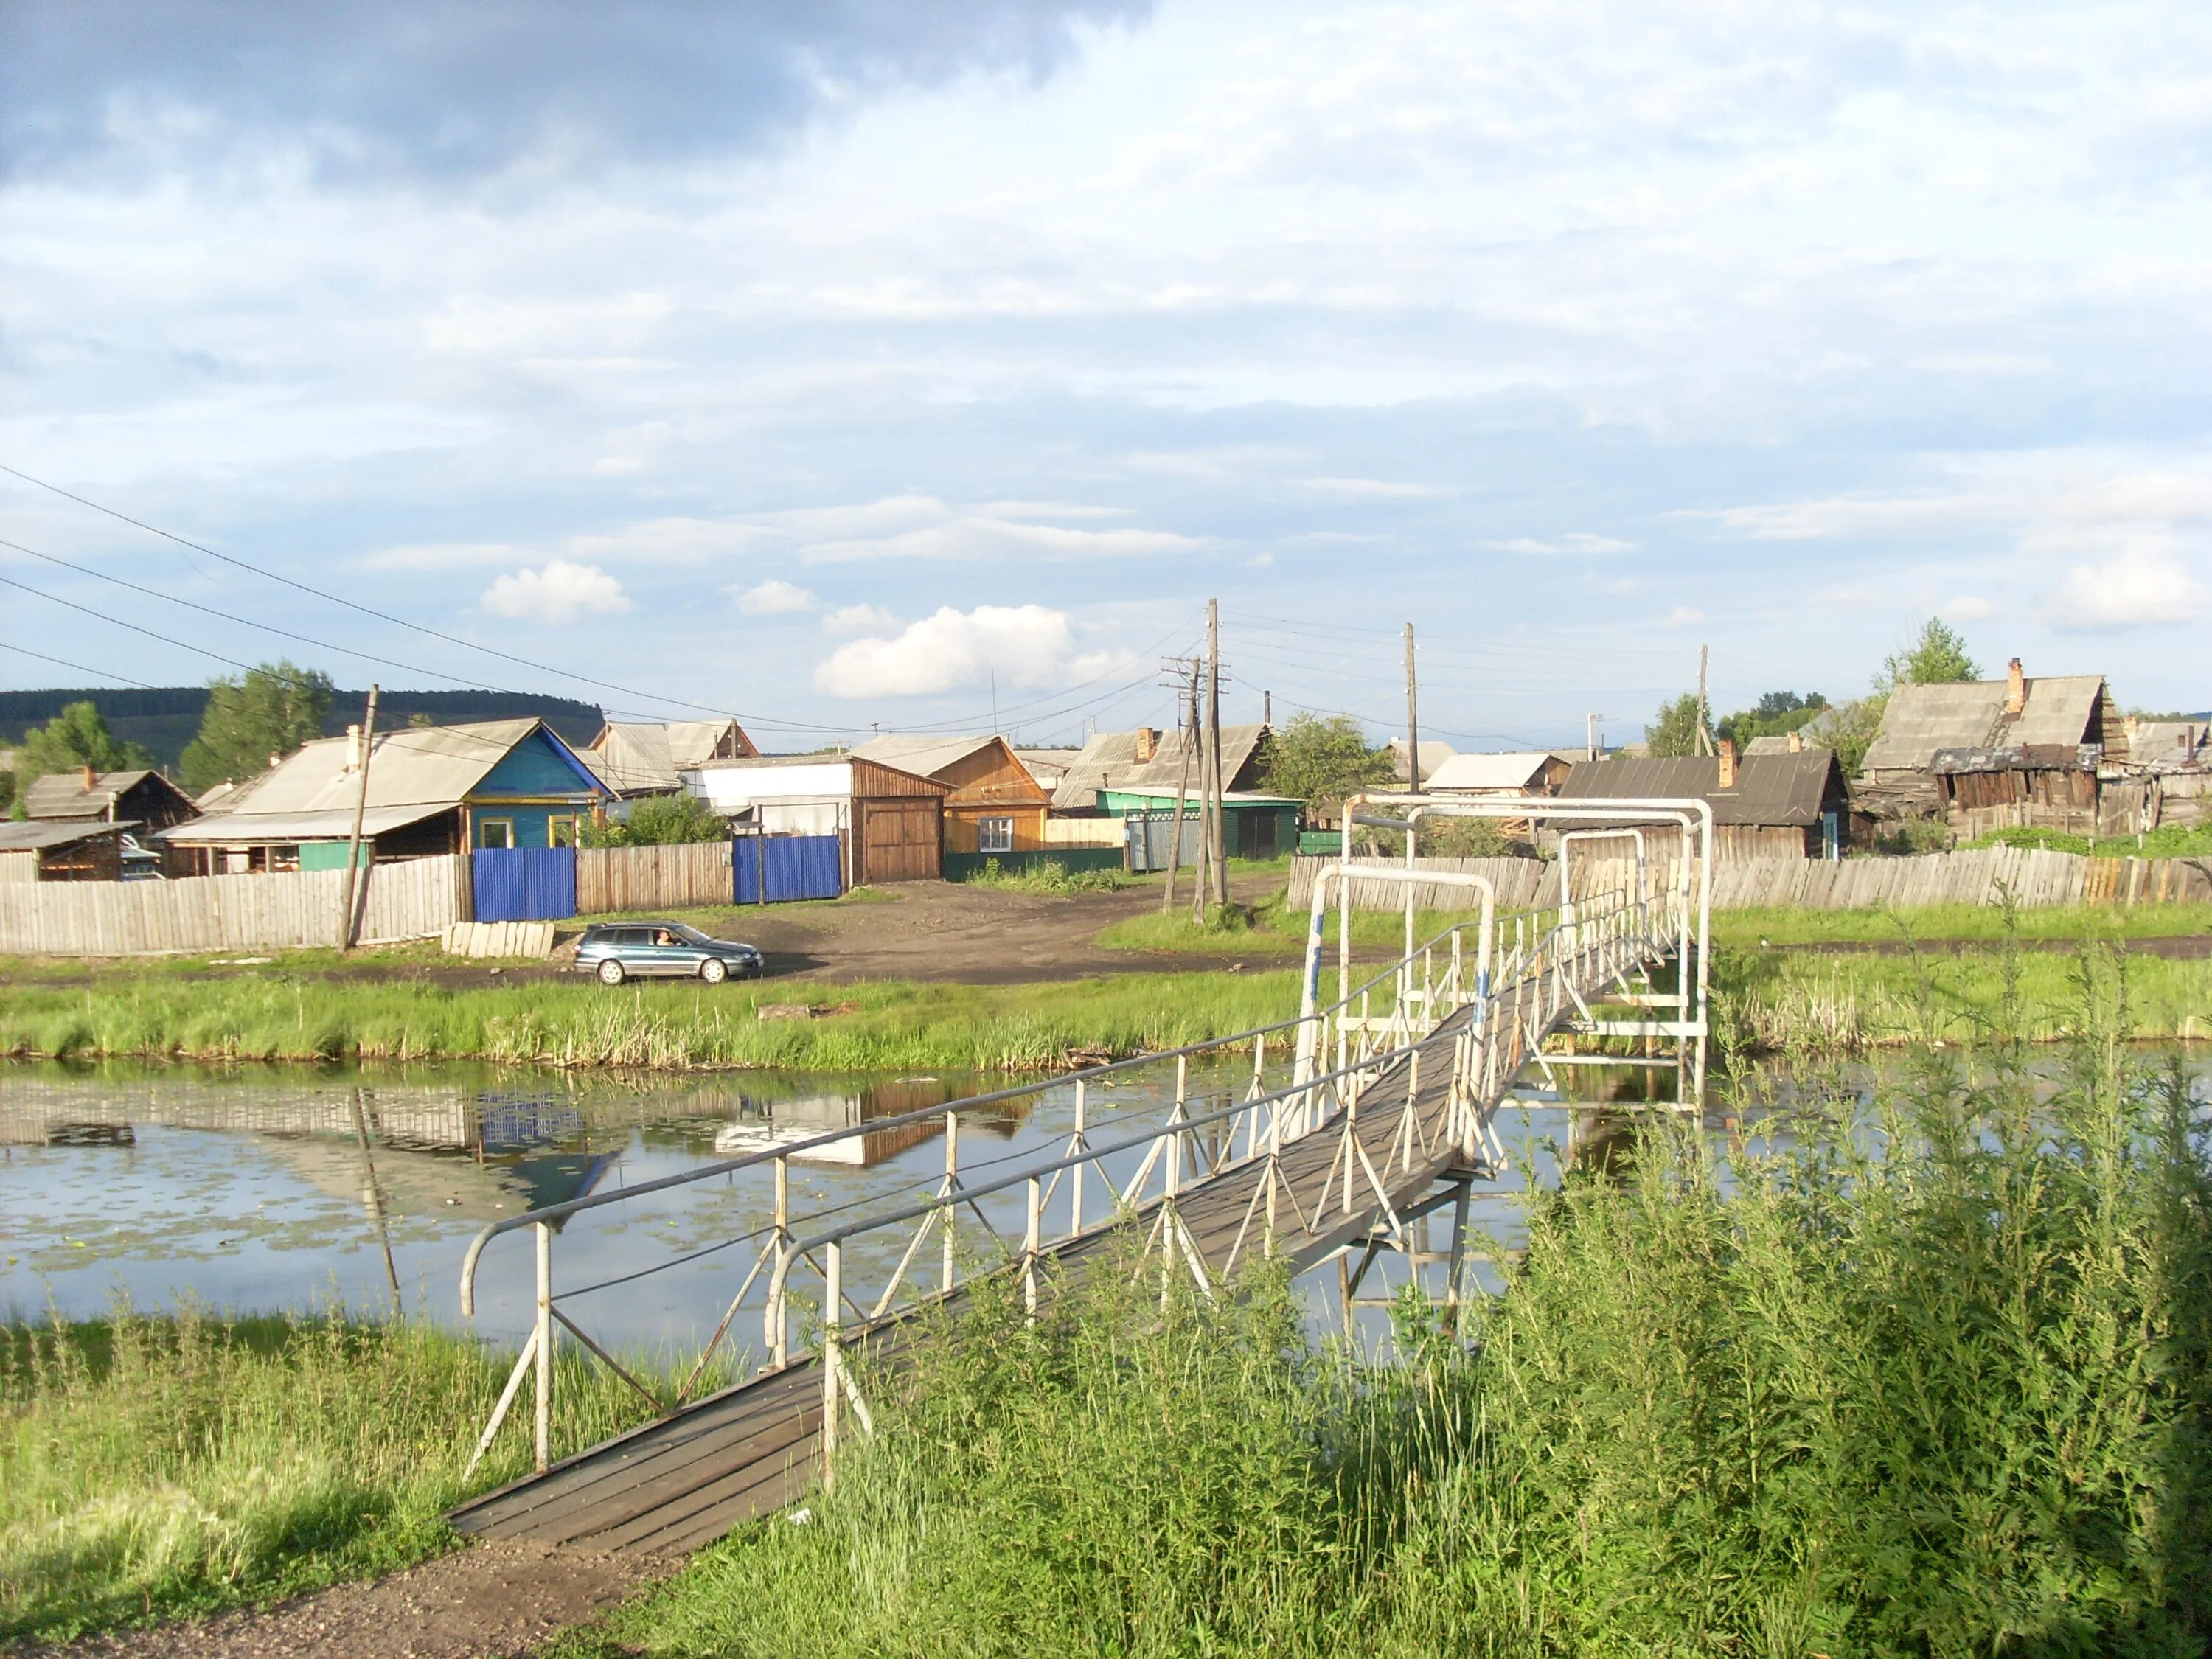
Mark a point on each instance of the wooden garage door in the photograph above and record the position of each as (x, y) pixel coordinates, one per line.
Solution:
(902, 840)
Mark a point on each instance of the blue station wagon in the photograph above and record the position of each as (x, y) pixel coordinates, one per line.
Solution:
(616, 951)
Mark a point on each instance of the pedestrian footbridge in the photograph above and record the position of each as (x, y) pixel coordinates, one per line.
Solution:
(1351, 1120)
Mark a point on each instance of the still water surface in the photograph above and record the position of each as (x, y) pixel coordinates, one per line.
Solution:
(251, 1188)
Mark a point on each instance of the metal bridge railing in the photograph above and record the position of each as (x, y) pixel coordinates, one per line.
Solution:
(1513, 977)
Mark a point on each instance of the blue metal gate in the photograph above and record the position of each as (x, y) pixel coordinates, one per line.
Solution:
(798, 867)
(524, 884)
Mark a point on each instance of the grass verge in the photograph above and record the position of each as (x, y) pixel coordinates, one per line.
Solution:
(892, 1024)
(154, 1467)
(1939, 1383)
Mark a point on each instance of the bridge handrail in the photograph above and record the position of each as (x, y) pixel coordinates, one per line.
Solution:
(551, 1212)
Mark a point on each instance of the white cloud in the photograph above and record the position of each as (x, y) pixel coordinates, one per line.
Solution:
(1025, 645)
(2131, 590)
(1682, 615)
(560, 592)
(1377, 489)
(1575, 542)
(1967, 607)
(858, 619)
(773, 598)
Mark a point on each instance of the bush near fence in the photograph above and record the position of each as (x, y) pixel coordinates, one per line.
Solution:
(417, 898)
(2034, 877)
(963, 867)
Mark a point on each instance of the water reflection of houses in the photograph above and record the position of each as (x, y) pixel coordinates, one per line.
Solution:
(800, 1118)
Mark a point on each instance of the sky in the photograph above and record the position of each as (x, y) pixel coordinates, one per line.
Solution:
(871, 366)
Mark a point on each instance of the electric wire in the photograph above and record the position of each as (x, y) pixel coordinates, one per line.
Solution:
(64, 662)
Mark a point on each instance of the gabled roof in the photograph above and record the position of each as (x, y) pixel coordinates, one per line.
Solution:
(63, 794)
(1774, 790)
(30, 835)
(925, 756)
(1110, 760)
(1434, 753)
(1919, 720)
(1511, 771)
(636, 758)
(2169, 744)
(425, 768)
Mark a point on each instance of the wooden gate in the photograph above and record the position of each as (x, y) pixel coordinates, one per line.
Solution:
(899, 840)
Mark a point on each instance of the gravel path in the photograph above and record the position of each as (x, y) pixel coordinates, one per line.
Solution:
(487, 1602)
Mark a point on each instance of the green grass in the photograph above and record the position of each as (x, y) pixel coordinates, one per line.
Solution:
(2172, 842)
(895, 1025)
(157, 1467)
(1782, 1000)
(1270, 928)
(1957, 921)
(1047, 876)
(1941, 1385)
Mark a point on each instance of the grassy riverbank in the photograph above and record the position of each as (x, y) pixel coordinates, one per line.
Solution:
(157, 1468)
(885, 1024)
(1942, 1387)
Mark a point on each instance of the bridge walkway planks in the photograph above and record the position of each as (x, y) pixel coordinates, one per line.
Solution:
(671, 1486)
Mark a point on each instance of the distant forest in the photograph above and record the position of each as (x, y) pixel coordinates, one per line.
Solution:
(167, 718)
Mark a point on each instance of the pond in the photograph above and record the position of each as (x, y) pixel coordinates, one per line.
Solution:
(257, 1189)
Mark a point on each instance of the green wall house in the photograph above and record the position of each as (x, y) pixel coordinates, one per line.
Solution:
(1252, 826)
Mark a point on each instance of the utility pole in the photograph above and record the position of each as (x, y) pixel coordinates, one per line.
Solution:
(1213, 744)
(1412, 720)
(1186, 730)
(360, 811)
(1704, 709)
(1194, 743)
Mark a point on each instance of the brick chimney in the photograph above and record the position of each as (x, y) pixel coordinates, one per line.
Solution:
(1796, 743)
(91, 777)
(352, 749)
(1728, 764)
(1148, 743)
(2016, 689)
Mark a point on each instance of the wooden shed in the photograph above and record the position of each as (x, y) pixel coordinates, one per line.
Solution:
(995, 804)
(31, 850)
(891, 821)
(1788, 805)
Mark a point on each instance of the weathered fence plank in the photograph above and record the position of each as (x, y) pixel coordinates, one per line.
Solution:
(616, 878)
(2036, 876)
(418, 898)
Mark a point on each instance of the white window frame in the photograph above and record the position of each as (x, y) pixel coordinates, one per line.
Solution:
(483, 839)
(994, 835)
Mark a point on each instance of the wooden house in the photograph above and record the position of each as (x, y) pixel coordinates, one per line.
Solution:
(648, 758)
(1122, 774)
(1788, 805)
(891, 822)
(137, 796)
(1528, 773)
(84, 849)
(432, 789)
(993, 804)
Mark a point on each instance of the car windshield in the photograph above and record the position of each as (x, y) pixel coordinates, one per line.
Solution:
(689, 935)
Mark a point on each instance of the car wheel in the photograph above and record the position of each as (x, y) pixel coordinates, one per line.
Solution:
(714, 970)
(611, 972)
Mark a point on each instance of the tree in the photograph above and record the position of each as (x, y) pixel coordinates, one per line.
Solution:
(272, 710)
(660, 821)
(1938, 657)
(1776, 714)
(1321, 759)
(1851, 731)
(73, 740)
(1676, 731)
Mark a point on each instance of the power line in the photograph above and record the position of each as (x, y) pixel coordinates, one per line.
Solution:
(64, 662)
(401, 621)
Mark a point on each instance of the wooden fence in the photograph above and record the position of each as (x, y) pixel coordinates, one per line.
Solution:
(616, 878)
(418, 898)
(2034, 877)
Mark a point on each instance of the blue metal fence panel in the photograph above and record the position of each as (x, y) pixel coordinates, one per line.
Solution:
(524, 884)
(798, 867)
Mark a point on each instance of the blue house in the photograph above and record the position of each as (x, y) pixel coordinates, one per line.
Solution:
(431, 789)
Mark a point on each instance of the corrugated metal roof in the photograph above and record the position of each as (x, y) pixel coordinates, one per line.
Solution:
(283, 829)
(63, 794)
(640, 757)
(1514, 770)
(1919, 720)
(2168, 742)
(1785, 790)
(428, 766)
(29, 835)
(1110, 760)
